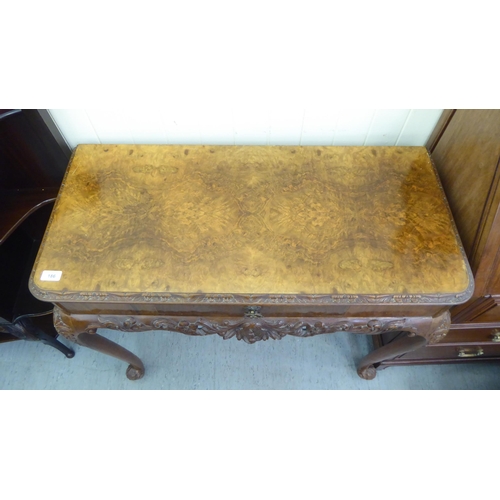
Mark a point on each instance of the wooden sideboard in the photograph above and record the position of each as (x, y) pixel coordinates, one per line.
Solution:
(465, 149)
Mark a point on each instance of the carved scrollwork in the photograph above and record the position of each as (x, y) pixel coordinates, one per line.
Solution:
(128, 324)
(69, 328)
(63, 327)
(439, 328)
(252, 330)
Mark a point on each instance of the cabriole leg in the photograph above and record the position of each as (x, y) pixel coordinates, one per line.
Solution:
(94, 341)
(426, 331)
(367, 366)
(83, 333)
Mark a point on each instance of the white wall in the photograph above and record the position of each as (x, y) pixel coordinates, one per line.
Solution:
(248, 125)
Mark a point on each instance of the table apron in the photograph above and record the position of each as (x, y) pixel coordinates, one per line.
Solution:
(265, 310)
(253, 327)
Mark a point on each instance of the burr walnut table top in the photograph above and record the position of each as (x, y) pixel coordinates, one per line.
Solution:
(178, 223)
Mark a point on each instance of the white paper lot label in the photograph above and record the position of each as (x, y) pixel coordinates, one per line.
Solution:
(51, 275)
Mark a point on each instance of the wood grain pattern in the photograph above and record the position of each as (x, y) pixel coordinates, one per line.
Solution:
(466, 157)
(468, 160)
(199, 220)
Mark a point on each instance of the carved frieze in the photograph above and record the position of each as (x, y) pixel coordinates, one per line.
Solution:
(252, 330)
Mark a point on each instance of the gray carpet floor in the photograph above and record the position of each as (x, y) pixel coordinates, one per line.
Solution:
(177, 361)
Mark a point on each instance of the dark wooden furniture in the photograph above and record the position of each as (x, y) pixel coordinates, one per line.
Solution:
(254, 243)
(466, 152)
(32, 164)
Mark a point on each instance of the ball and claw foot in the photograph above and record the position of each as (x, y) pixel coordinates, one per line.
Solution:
(134, 373)
(367, 372)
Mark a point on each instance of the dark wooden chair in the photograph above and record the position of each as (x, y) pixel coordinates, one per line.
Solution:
(22, 316)
(32, 165)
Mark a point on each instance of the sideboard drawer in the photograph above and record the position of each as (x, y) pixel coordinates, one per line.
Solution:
(472, 336)
(459, 345)
(456, 353)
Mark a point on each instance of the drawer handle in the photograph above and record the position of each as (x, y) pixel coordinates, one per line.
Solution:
(253, 312)
(496, 336)
(462, 353)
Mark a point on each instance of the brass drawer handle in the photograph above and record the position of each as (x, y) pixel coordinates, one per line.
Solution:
(496, 336)
(462, 353)
(253, 312)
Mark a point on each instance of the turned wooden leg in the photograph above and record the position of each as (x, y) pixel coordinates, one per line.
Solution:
(83, 333)
(398, 347)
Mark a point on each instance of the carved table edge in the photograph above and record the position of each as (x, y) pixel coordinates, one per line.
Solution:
(208, 298)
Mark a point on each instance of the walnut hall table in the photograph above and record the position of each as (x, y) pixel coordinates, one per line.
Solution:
(252, 242)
